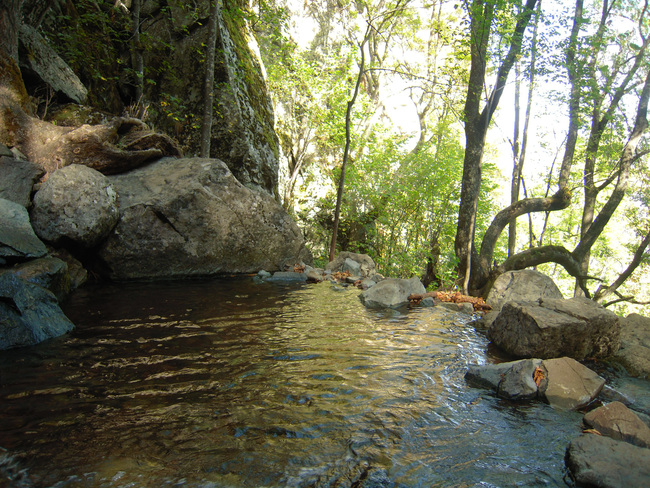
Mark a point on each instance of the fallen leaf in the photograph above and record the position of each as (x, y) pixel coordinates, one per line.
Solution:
(538, 375)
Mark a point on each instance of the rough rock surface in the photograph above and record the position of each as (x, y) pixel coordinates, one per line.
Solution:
(17, 239)
(598, 461)
(571, 385)
(29, 314)
(577, 327)
(49, 272)
(635, 345)
(525, 285)
(191, 217)
(617, 421)
(360, 265)
(18, 178)
(75, 204)
(391, 293)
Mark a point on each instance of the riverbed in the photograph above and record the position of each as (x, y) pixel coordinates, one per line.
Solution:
(235, 383)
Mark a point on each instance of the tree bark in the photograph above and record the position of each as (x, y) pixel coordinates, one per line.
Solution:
(477, 121)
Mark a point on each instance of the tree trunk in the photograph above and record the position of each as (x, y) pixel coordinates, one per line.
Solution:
(477, 121)
(208, 86)
(138, 63)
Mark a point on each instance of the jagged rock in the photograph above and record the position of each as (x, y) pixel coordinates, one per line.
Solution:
(570, 384)
(617, 421)
(18, 179)
(488, 375)
(525, 285)
(597, 461)
(77, 273)
(577, 327)
(49, 272)
(191, 217)
(518, 381)
(391, 293)
(29, 314)
(18, 241)
(634, 352)
(76, 204)
(39, 58)
(357, 264)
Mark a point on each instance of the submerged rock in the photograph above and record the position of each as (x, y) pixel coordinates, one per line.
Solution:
(391, 293)
(595, 460)
(29, 314)
(191, 217)
(550, 328)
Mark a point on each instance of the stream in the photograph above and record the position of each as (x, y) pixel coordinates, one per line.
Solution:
(233, 383)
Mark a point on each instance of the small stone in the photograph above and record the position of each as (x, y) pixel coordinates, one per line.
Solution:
(617, 421)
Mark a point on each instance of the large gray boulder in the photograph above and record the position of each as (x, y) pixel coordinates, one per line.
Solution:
(391, 293)
(18, 242)
(76, 204)
(191, 217)
(551, 328)
(356, 264)
(524, 285)
(29, 314)
(18, 178)
(635, 345)
(598, 461)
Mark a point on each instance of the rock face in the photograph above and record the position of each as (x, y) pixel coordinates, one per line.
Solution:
(29, 314)
(76, 204)
(17, 239)
(49, 272)
(577, 328)
(360, 265)
(635, 345)
(191, 217)
(243, 134)
(525, 285)
(391, 293)
(603, 462)
(18, 178)
(617, 421)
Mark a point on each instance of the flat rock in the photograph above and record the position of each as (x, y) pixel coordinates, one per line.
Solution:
(17, 238)
(288, 277)
(570, 384)
(29, 314)
(391, 293)
(598, 461)
(634, 352)
(18, 179)
(550, 328)
(617, 421)
(524, 285)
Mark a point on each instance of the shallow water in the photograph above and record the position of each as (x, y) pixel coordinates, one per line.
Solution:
(233, 383)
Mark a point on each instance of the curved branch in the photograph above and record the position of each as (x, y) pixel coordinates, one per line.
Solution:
(559, 201)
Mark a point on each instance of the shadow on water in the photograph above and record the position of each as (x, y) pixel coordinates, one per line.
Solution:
(233, 383)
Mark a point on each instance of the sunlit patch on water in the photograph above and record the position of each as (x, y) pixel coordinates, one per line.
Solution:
(237, 384)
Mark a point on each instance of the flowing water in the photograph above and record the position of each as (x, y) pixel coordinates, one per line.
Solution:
(241, 384)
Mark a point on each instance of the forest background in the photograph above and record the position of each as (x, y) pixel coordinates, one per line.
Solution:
(450, 139)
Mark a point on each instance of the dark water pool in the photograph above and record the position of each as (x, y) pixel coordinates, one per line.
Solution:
(237, 384)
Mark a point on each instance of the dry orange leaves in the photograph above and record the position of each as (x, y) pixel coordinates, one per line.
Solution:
(538, 375)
